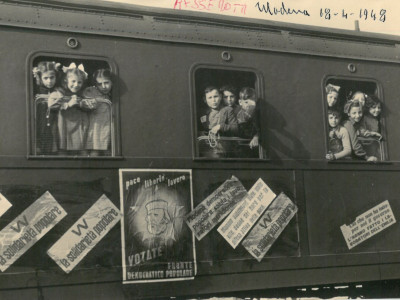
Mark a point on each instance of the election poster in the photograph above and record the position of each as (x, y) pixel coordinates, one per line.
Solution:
(216, 207)
(243, 217)
(270, 226)
(368, 224)
(28, 228)
(84, 235)
(157, 245)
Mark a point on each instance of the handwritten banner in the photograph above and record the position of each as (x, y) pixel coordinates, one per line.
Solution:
(28, 228)
(77, 242)
(243, 217)
(212, 6)
(368, 224)
(372, 12)
(4, 205)
(215, 207)
(270, 226)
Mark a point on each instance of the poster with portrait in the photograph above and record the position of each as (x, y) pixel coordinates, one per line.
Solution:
(157, 245)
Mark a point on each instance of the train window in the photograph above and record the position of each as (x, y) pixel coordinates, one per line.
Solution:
(355, 119)
(73, 103)
(226, 114)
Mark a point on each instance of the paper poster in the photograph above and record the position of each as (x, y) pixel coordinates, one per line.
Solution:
(4, 205)
(244, 216)
(368, 224)
(270, 226)
(216, 207)
(157, 245)
(84, 235)
(28, 228)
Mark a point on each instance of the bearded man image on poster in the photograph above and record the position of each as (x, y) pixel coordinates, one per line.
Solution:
(155, 236)
(160, 226)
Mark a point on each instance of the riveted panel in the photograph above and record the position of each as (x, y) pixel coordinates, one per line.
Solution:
(163, 28)
(271, 40)
(125, 26)
(27, 15)
(69, 19)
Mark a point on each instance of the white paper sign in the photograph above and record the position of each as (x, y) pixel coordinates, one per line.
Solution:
(28, 228)
(268, 228)
(368, 224)
(4, 204)
(77, 242)
(215, 207)
(245, 215)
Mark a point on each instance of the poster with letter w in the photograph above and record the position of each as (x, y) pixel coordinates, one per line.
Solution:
(157, 245)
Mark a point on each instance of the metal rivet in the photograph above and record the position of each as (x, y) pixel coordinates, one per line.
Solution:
(226, 56)
(72, 42)
(351, 68)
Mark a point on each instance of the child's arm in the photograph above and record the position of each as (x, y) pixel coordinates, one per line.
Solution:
(254, 141)
(75, 100)
(369, 126)
(55, 100)
(256, 127)
(368, 133)
(88, 104)
(343, 134)
(330, 156)
(89, 101)
(228, 122)
(375, 134)
(354, 142)
(215, 129)
(256, 130)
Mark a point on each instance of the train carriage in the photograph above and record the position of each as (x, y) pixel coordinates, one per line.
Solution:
(161, 62)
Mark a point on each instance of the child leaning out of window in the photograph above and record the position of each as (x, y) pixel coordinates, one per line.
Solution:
(339, 140)
(354, 110)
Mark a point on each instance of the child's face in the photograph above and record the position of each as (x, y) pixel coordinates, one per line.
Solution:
(248, 105)
(104, 85)
(333, 120)
(229, 98)
(375, 111)
(49, 79)
(332, 98)
(360, 98)
(74, 83)
(355, 114)
(213, 99)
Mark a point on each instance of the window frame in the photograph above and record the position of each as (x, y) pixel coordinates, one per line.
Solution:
(379, 94)
(259, 88)
(115, 148)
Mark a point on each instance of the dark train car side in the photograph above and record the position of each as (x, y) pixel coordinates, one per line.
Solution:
(161, 64)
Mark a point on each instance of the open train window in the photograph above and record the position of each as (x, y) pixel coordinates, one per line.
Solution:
(226, 105)
(73, 107)
(354, 113)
